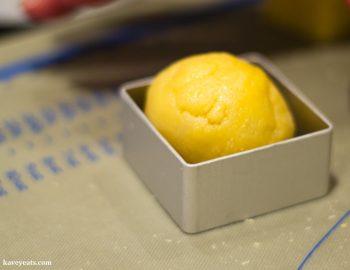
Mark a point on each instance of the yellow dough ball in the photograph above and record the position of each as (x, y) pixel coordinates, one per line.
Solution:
(216, 104)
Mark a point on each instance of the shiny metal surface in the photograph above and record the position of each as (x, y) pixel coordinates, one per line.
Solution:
(228, 189)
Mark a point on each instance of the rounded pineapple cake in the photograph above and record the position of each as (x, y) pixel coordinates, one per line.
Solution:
(215, 104)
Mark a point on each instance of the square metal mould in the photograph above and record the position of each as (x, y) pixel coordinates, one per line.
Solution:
(216, 192)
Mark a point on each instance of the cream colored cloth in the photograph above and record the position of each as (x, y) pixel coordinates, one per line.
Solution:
(68, 196)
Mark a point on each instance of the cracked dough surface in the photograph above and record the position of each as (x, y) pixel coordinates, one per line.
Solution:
(215, 104)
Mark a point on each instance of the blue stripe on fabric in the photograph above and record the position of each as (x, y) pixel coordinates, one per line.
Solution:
(324, 238)
(115, 38)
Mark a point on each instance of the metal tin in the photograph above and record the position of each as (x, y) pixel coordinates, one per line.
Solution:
(216, 192)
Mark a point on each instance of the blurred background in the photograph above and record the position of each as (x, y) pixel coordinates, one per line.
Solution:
(97, 214)
(123, 40)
